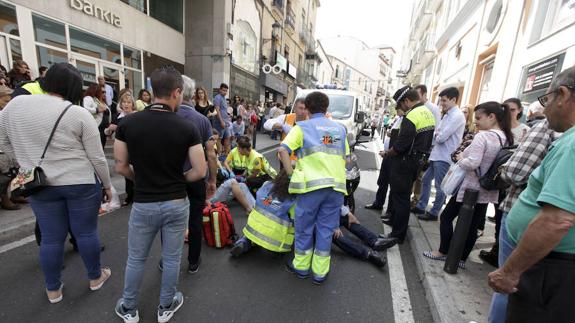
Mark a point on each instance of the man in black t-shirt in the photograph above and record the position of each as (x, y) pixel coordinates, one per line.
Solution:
(157, 142)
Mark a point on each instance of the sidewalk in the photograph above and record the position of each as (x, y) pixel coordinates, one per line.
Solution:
(463, 297)
(16, 225)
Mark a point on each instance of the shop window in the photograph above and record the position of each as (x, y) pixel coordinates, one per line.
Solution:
(49, 32)
(132, 57)
(170, 12)
(47, 56)
(8, 20)
(15, 49)
(91, 45)
(133, 80)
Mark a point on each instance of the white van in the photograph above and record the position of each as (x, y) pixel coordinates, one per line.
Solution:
(344, 108)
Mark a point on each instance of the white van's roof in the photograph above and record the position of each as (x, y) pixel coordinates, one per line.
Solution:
(305, 92)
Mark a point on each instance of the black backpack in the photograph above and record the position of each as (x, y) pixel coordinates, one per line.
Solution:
(492, 180)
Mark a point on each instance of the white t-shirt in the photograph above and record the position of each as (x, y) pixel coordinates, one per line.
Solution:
(519, 132)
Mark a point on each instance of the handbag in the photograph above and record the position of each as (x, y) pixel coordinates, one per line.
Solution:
(453, 179)
(31, 181)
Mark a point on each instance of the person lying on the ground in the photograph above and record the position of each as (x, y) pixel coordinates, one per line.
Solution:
(368, 250)
(234, 189)
(270, 226)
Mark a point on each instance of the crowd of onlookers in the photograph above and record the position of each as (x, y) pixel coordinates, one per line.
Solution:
(533, 247)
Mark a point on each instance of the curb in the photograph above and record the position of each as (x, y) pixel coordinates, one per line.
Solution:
(437, 292)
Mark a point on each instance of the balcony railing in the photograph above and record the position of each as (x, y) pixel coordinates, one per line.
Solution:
(290, 18)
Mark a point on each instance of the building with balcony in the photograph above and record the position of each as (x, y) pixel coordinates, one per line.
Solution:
(467, 43)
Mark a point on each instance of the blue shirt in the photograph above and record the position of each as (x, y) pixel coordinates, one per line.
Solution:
(448, 135)
(201, 122)
(221, 104)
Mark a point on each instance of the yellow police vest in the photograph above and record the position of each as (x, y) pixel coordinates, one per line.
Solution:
(33, 88)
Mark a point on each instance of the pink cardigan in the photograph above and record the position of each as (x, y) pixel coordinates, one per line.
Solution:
(480, 154)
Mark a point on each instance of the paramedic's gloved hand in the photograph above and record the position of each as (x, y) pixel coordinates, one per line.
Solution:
(240, 179)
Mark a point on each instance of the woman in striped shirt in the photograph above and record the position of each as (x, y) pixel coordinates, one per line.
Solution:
(75, 168)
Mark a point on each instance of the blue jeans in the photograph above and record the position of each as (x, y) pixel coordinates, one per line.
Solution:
(58, 208)
(498, 309)
(170, 218)
(436, 171)
(351, 247)
(224, 192)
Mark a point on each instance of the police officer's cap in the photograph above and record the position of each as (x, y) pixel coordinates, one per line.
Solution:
(399, 94)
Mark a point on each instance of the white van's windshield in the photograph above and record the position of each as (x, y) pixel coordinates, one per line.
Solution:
(340, 106)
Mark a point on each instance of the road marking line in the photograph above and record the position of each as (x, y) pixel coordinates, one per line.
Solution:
(16, 244)
(402, 311)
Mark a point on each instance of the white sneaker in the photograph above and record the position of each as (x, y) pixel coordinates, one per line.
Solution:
(129, 316)
(165, 314)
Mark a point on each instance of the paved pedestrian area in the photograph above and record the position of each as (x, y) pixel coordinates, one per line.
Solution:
(255, 288)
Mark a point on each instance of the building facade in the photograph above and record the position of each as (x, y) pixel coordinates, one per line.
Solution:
(363, 69)
(122, 41)
(491, 49)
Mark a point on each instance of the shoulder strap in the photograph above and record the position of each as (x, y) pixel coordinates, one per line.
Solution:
(498, 137)
(53, 131)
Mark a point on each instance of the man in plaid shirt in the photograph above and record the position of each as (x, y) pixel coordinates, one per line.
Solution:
(516, 171)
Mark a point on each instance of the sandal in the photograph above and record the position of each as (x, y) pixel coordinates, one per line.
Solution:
(106, 272)
(429, 254)
(59, 295)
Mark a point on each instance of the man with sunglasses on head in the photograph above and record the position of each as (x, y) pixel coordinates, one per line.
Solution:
(538, 232)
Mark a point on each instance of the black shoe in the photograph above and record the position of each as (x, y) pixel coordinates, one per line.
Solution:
(386, 215)
(387, 222)
(415, 210)
(491, 219)
(376, 258)
(373, 207)
(317, 281)
(427, 217)
(237, 250)
(383, 243)
(290, 269)
(192, 269)
(489, 257)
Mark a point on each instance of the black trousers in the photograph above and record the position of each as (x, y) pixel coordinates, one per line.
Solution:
(197, 197)
(404, 171)
(383, 182)
(545, 293)
(449, 214)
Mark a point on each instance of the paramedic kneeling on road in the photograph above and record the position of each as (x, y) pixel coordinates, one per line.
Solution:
(319, 182)
(246, 162)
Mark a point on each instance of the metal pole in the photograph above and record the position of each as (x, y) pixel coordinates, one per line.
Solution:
(461, 231)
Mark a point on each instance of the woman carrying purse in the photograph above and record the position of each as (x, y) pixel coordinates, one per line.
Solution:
(494, 124)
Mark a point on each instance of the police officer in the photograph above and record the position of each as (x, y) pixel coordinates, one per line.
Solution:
(319, 182)
(408, 153)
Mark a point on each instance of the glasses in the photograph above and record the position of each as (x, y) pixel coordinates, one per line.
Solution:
(544, 99)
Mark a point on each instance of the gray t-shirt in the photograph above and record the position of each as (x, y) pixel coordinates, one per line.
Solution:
(221, 104)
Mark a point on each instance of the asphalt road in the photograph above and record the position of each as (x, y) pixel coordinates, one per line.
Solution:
(254, 288)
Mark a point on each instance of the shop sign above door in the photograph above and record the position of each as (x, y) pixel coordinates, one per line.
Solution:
(91, 9)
